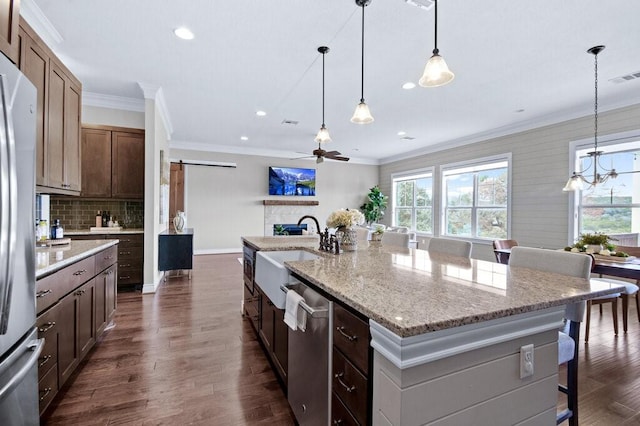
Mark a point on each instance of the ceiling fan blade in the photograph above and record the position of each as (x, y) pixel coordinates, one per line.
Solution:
(331, 153)
(339, 158)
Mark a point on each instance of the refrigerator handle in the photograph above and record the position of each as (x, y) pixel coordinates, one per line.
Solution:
(35, 347)
(5, 205)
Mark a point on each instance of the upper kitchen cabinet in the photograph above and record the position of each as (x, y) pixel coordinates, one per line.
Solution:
(58, 116)
(112, 162)
(9, 18)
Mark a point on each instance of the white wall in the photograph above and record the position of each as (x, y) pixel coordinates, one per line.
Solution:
(224, 204)
(112, 117)
(540, 169)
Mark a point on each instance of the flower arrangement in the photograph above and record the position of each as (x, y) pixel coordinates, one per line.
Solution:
(585, 241)
(345, 217)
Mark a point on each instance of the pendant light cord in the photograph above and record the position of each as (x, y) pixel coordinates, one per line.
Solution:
(435, 39)
(362, 56)
(595, 125)
(323, 89)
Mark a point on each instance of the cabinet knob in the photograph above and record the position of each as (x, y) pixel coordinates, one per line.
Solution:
(80, 292)
(126, 277)
(80, 272)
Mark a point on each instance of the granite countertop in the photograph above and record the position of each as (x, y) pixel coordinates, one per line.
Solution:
(103, 231)
(285, 242)
(51, 259)
(411, 292)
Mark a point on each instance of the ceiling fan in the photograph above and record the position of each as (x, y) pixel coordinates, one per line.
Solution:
(321, 154)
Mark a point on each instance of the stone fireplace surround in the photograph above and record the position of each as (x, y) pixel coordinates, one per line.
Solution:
(288, 211)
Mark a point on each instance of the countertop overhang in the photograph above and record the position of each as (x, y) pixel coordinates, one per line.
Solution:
(52, 259)
(410, 292)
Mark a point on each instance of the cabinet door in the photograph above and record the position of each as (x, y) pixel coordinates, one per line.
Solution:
(9, 17)
(281, 344)
(111, 292)
(86, 295)
(34, 63)
(96, 163)
(71, 165)
(68, 353)
(266, 323)
(100, 308)
(54, 152)
(127, 165)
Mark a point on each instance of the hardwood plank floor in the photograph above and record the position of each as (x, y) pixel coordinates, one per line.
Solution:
(186, 356)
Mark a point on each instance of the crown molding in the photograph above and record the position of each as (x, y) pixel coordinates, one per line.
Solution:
(112, 102)
(155, 93)
(30, 11)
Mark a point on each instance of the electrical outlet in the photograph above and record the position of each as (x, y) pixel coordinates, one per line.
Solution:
(526, 361)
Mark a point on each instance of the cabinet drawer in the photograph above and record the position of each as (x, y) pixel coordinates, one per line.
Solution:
(340, 415)
(130, 252)
(350, 386)
(48, 388)
(351, 336)
(106, 258)
(130, 240)
(129, 264)
(132, 276)
(64, 281)
(48, 330)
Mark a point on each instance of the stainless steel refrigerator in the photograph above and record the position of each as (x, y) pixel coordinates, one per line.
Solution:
(19, 344)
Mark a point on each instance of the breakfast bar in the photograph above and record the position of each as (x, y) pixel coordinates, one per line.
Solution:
(446, 333)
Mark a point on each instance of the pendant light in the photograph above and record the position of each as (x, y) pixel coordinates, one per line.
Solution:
(323, 133)
(362, 115)
(436, 73)
(575, 181)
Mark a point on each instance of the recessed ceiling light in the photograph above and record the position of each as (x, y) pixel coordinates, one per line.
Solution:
(244, 138)
(261, 113)
(183, 33)
(409, 85)
(401, 133)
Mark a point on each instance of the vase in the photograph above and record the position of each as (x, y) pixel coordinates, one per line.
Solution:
(348, 238)
(180, 221)
(594, 248)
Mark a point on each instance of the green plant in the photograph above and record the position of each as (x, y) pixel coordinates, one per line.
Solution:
(595, 238)
(280, 230)
(379, 230)
(375, 205)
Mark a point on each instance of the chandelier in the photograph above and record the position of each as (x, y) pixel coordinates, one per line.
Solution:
(575, 182)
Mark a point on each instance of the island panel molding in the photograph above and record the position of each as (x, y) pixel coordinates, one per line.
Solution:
(412, 351)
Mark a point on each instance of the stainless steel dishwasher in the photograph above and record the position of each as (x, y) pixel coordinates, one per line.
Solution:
(309, 384)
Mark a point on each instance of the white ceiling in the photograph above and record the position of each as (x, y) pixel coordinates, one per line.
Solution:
(262, 54)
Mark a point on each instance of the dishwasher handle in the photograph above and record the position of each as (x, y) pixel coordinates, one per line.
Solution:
(313, 312)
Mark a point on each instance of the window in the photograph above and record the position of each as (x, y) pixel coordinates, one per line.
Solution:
(413, 201)
(612, 207)
(476, 199)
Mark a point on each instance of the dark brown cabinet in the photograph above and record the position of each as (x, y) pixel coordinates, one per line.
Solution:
(74, 305)
(58, 120)
(9, 18)
(112, 162)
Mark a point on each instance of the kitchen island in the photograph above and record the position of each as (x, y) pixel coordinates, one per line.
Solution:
(445, 333)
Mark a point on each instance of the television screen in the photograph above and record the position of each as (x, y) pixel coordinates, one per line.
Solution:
(292, 181)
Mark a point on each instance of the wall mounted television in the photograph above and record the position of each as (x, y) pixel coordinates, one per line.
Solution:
(292, 181)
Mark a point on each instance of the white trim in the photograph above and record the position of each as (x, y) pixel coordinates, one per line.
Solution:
(36, 18)
(218, 251)
(150, 288)
(407, 352)
(423, 173)
(415, 173)
(112, 102)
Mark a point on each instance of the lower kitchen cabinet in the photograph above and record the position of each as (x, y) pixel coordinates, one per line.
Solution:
(274, 335)
(75, 304)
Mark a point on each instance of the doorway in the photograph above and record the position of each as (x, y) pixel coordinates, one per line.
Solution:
(176, 190)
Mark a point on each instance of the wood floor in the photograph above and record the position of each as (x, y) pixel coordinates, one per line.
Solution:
(186, 356)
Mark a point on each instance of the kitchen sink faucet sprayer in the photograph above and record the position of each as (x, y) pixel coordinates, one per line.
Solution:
(312, 218)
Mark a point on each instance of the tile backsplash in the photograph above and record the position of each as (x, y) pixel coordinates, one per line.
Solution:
(80, 214)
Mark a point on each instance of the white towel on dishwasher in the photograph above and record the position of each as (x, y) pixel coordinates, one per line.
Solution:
(295, 318)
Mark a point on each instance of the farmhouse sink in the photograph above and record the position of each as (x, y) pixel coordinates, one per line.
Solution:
(271, 272)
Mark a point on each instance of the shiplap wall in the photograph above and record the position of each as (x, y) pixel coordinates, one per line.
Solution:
(540, 169)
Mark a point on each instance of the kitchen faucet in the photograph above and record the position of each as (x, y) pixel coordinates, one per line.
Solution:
(312, 218)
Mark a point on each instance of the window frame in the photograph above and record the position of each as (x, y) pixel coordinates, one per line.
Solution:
(427, 172)
(575, 148)
(478, 164)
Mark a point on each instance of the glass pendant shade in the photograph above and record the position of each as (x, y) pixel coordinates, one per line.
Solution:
(323, 135)
(573, 184)
(362, 115)
(436, 72)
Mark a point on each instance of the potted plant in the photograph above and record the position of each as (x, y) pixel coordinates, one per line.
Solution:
(376, 235)
(373, 209)
(593, 242)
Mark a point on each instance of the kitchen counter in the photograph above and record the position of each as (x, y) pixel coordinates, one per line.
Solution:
(51, 259)
(69, 232)
(284, 242)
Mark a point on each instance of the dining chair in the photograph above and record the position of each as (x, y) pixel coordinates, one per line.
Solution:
(363, 233)
(503, 244)
(450, 246)
(630, 290)
(396, 239)
(575, 265)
